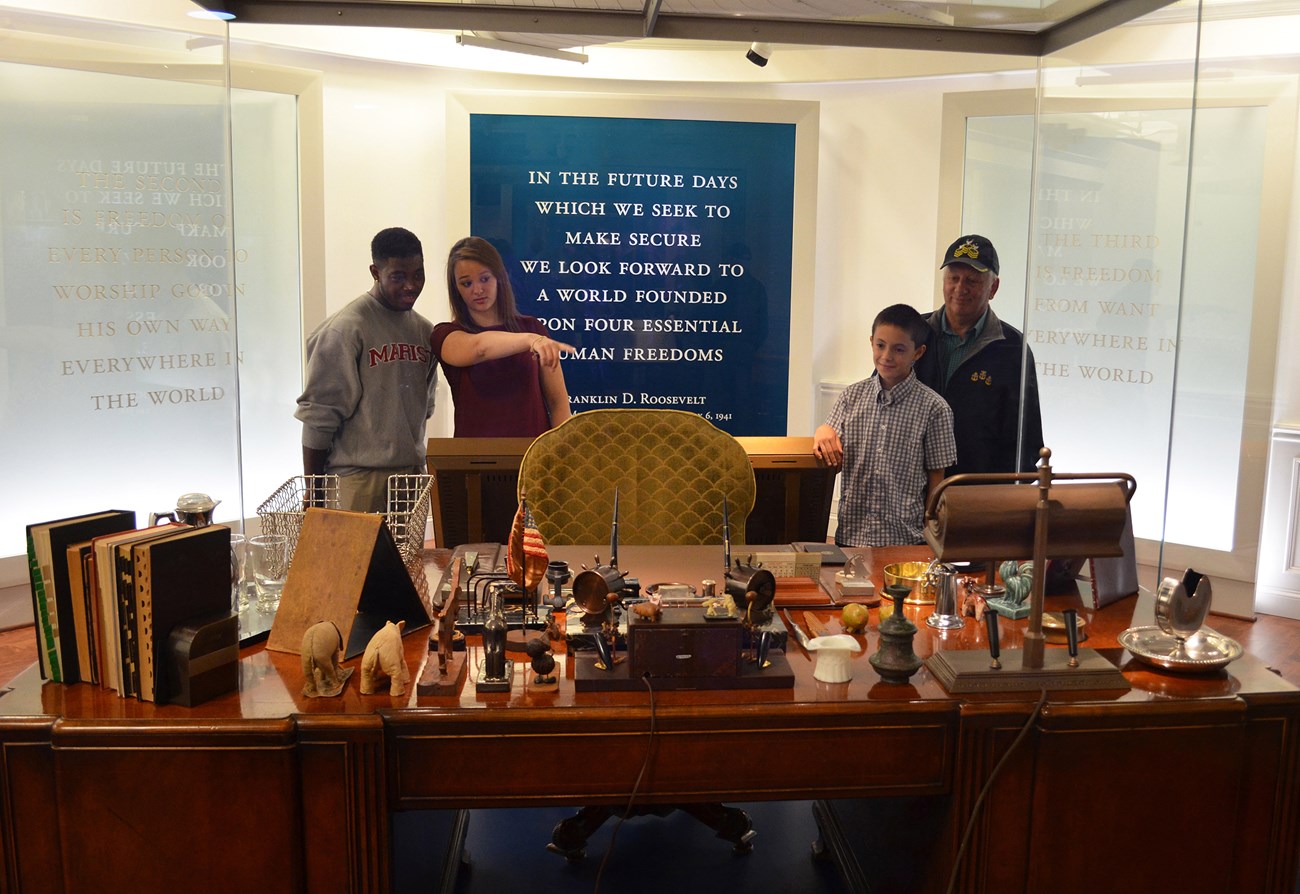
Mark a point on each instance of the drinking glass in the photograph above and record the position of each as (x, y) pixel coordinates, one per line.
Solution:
(238, 572)
(268, 559)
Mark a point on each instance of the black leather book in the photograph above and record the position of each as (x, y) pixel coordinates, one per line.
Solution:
(52, 594)
(178, 577)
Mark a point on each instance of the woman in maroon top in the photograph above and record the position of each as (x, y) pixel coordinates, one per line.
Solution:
(503, 368)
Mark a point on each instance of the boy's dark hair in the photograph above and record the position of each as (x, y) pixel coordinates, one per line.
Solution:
(394, 242)
(905, 317)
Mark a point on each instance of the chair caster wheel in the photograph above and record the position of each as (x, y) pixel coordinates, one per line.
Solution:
(571, 856)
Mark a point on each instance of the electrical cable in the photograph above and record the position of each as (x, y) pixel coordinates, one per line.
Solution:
(988, 785)
(645, 765)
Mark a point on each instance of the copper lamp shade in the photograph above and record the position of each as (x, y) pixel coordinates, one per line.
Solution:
(985, 522)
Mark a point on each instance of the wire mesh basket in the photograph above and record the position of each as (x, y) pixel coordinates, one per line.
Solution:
(282, 512)
(409, 501)
(407, 514)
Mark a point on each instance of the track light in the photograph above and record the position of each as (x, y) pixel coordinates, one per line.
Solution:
(759, 53)
(491, 43)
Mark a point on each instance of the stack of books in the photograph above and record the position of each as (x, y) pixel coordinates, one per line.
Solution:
(106, 594)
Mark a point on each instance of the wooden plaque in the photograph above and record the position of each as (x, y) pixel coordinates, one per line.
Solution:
(347, 570)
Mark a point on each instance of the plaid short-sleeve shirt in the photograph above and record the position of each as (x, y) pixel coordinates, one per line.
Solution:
(891, 438)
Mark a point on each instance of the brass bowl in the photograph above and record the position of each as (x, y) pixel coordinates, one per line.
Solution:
(913, 575)
(1054, 628)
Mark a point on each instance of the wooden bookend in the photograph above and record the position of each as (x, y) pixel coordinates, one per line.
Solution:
(347, 570)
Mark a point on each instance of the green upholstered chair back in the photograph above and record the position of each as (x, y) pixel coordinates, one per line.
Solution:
(671, 469)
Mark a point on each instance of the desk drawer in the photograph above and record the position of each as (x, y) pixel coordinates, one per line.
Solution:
(586, 758)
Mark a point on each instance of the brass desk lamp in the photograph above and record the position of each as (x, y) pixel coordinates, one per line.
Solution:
(991, 516)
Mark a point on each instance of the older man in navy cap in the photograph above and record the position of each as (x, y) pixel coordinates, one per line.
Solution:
(975, 361)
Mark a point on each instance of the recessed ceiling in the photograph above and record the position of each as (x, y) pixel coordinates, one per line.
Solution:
(1011, 27)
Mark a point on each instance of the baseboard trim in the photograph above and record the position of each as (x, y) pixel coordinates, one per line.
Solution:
(1273, 601)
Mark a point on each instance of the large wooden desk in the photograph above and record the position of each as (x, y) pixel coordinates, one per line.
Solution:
(1181, 783)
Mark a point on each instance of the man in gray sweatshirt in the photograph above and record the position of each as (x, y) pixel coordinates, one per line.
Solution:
(371, 379)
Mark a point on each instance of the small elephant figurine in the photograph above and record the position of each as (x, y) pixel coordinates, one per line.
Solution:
(322, 646)
(384, 657)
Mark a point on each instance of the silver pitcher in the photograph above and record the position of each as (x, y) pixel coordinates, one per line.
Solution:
(191, 509)
(943, 580)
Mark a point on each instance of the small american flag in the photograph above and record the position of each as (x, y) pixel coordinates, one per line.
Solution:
(526, 553)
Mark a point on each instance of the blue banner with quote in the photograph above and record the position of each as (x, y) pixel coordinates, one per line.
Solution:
(660, 249)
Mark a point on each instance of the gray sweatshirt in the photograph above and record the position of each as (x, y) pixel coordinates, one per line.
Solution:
(370, 388)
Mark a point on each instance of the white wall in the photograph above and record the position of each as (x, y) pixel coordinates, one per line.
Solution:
(877, 186)
(1287, 388)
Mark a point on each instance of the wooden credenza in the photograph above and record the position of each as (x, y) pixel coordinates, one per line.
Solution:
(1186, 783)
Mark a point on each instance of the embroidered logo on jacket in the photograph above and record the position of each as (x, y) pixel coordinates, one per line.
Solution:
(399, 353)
(982, 376)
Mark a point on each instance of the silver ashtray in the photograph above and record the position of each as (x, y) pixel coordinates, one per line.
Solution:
(1204, 650)
(671, 593)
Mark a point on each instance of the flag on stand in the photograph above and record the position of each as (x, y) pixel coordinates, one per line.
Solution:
(526, 553)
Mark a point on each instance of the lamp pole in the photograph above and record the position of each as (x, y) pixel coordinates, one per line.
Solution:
(1032, 655)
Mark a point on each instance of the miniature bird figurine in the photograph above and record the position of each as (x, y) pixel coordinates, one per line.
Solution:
(543, 662)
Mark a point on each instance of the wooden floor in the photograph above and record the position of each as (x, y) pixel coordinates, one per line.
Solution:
(1274, 640)
(17, 651)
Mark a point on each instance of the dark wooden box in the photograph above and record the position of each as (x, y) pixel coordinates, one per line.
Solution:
(203, 655)
(683, 644)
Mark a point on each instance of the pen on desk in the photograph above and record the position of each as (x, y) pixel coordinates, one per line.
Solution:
(726, 541)
(991, 619)
(1071, 617)
(613, 535)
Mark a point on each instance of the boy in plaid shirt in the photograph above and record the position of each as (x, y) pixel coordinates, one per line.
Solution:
(890, 436)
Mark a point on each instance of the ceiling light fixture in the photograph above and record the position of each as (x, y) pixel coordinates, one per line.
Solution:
(759, 53)
(219, 14)
(490, 43)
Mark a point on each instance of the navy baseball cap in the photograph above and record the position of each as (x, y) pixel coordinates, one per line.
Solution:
(975, 251)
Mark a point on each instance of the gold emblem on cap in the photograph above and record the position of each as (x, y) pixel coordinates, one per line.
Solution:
(967, 248)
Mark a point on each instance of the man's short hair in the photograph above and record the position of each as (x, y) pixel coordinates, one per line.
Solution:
(394, 242)
(905, 317)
